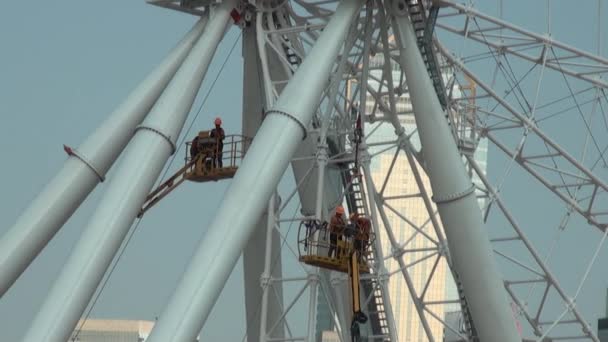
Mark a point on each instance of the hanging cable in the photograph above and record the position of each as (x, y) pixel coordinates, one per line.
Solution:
(164, 174)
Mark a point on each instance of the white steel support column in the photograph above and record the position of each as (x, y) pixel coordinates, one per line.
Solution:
(313, 285)
(153, 143)
(267, 159)
(341, 293)
(454, 195)
(255, 273)
(266, 278)
(84, 169)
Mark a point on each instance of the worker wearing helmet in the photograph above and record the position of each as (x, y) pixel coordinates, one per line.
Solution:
(218, 134)
(363, 228)
(336, 229)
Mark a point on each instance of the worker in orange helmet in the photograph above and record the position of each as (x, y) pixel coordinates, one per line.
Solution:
(363, 228)
(336, 229)
(218, 134)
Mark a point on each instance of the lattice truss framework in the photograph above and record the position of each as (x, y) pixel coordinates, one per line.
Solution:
(506, 87)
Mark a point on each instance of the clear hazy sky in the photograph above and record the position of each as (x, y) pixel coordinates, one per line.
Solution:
(65, 65)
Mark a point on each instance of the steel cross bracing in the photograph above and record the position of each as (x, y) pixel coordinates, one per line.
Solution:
(577, 181)
(277, 49)
(594, 192)
(559, 170)
(500, 35)
(379, 98)
(280, 39)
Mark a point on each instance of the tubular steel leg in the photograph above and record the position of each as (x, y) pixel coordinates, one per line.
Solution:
(454, 194)
(84, 169)
(253, 265)
(153, 143)
(340, 290)
(253, 184)
(266, 278)
(313, 280)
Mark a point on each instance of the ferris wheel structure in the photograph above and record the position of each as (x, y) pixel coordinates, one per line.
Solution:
(390, 108)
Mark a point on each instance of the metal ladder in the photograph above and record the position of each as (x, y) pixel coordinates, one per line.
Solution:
(376, 310)
(424, 27)
(356, 202)
(354, 190)
(466, 313)
(290, 54)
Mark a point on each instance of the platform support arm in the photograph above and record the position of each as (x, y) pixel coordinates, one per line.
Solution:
(147, 153)
(454, 194)
(84, 169)
(267, 159)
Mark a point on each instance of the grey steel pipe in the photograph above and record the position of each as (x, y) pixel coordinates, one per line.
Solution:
(266, 240)
(454, 194)
(148, 151)
(252, 186)
(84, 169)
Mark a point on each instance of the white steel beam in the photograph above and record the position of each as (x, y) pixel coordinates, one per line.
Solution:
(153, 143)
(267, 159)
(546, 274)
(84, 169)
(454, 195)
(255, 270)
(574, 62)
(266, 279)
(586, 176)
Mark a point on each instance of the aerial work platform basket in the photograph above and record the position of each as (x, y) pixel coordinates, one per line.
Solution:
(315, 245)
(205, 161)
(214, 162)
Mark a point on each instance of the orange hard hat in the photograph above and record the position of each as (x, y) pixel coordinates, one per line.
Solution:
(340, 210)
(218, 121)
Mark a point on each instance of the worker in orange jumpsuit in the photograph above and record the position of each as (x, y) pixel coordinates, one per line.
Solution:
(363, 226)
(219, 135)
(336, 229)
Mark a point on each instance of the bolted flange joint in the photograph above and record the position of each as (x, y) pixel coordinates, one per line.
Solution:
(442, 249)
(293, 117)
(265, 281)
(313, 278)
(72, 152)
(165, 136)
(321, 154)
(397, 252)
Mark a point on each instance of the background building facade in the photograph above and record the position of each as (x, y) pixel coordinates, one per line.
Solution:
(99, 330)
(402, 182)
